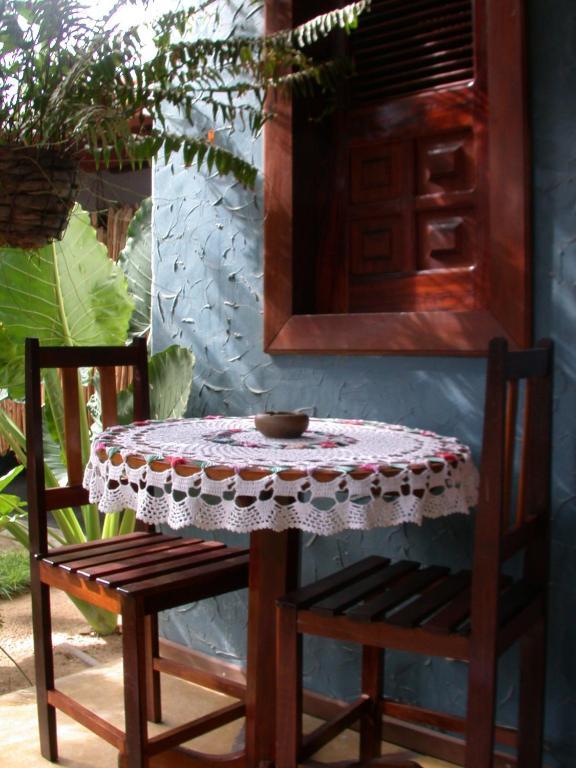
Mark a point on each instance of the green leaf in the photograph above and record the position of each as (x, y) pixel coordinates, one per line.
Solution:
(68, 293)
(14, 436)
(10, 372)
(55, 460)
(136, 261)
(6, 479)
(54, 405)
(11, 506)
(170, 373)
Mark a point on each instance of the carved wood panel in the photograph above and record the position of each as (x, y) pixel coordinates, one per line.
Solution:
(412, 209)
(446, 239)
(378, 245)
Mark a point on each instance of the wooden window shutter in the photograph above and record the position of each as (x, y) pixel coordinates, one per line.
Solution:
(400, 224)
(409, 47)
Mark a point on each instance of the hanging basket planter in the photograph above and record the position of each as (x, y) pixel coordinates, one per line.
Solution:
(38, 187)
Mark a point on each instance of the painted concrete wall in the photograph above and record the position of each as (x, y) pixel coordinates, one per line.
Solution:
(208, 266)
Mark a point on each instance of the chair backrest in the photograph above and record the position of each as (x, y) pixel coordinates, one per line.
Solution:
(67, 361)
(513, 508)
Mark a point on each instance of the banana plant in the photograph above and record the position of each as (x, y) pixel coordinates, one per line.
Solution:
(70, 293)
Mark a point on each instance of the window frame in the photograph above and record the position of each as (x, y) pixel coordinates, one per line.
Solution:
(508, 233)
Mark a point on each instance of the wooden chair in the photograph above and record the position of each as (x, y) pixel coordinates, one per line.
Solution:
(136, 575)
(473, 616)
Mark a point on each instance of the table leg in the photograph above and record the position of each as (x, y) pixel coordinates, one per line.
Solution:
(274, 568)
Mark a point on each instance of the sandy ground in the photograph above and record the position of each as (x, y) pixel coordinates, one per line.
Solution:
(76, 646)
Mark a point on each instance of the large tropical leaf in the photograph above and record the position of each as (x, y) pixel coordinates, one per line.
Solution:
(68, 293)
(136, 261)
(6, 479)
(12, 509)
(10, 375)
(170, 373)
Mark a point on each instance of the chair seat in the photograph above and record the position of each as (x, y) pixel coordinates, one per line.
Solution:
(401, 595)
(153, 567)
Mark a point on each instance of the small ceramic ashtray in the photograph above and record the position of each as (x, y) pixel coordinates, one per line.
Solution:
(281, 423)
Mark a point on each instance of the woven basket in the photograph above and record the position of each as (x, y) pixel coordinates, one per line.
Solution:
(38, 187)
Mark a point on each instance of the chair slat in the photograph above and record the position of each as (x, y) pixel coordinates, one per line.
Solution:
(174, 566)
(105, 546)
(430, 601)
(67, 496)
(108, 400)
(305, 596)
(128, 538)
(520, 510)
(514, 599)
(359, 589)
(528, 363)
(72, 437)
(452, 615)
(521, 536)
(102, 558)
(509, 450)
(88, 357)
(405, 589)
(199, 576)
(145, 556)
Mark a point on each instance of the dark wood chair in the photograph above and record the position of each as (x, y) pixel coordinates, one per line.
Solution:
(135, 575)
(472, 616)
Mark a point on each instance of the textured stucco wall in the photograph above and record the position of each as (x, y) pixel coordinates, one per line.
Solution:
(208, 268)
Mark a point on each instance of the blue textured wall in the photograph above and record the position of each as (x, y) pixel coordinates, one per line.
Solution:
(208, 268)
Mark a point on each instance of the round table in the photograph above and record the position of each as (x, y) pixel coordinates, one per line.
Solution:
(219, 472)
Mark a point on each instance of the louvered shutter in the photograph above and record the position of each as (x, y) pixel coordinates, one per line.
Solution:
(408, 47)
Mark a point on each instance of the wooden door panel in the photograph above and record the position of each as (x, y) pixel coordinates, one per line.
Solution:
(379, 246)
(446, 240)
(446, 163)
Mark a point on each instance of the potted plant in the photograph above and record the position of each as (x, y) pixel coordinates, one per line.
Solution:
(72, 86)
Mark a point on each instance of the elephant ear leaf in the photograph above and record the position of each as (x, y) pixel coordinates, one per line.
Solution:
(68, 293)
(136, 261)
(170, 373)
(10, 368)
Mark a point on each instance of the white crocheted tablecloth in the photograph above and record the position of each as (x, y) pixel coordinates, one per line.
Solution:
(343, 474)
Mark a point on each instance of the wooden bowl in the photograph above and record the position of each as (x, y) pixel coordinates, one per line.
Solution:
(281, 423)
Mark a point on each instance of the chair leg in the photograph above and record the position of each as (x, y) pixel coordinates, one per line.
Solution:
(154, 695)
(135, 674)
(481, 710)
(532, 691)
(371, 721)
(288, 689)
(44, 665)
